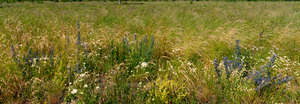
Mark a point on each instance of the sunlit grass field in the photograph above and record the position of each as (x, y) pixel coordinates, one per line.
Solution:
(150, 52)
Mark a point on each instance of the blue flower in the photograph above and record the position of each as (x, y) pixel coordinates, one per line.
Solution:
(216, 68)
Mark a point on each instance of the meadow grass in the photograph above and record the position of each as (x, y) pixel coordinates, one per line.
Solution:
(155, 52)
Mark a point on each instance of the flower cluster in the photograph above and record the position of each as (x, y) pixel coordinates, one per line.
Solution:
(229, 65)
(33, 59)
(264, 77)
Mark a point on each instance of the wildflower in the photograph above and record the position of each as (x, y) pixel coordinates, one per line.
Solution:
(74, 91)
(97, 87)
(85, 86)
(226, 64)
(284, 80)
(144, 64)
(272, 60)
(261, 80)
(82, 75)
(189, 64)
(216, 68)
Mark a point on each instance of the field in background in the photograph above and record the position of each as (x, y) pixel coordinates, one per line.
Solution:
(152, 52)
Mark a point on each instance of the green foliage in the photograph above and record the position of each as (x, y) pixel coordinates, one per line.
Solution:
(166, 91)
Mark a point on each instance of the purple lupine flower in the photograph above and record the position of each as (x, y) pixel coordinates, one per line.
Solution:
(258, 76)
(277, 76)
(257, 80)
(272, 60)
(216, 67)
(274, 78)
(237, 61)
(241, 66)
(226, 64)
(229, 66)
(264, 82)
(28, 58)
(284, 80)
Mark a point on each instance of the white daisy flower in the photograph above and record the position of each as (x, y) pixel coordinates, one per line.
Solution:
(144, 64)
(74, 91)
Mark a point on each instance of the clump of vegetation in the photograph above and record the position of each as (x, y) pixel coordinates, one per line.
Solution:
(262, 79)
